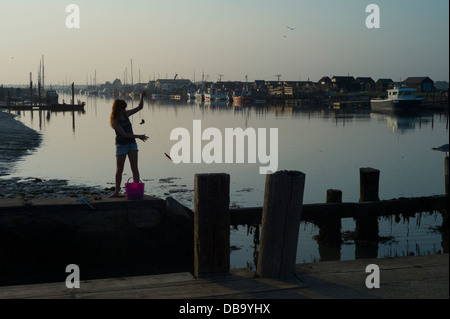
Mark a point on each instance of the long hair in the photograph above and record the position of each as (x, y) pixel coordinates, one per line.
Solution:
(117, 106)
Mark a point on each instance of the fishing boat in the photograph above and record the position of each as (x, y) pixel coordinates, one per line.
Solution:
(398, 99)
(51, 96)
(215, 95)
(56, 107)
(200, 96)
(242, 97)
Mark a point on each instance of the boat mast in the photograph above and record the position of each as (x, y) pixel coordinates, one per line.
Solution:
(43, 77)
(131, 72)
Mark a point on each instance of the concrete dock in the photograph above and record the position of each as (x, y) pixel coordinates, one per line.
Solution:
(413, 277)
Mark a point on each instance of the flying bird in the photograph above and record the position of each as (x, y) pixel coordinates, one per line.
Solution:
(292, 29)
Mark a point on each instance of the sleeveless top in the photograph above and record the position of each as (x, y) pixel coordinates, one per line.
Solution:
(126, 125)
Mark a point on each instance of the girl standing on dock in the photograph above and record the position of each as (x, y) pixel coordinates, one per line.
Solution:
(125, 140)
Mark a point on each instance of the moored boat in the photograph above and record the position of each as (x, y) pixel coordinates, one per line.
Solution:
(215, 95)
(64, 107)
(242, 97)
(398, 99)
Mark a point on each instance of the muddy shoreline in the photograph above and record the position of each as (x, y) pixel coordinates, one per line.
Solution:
(18, 141)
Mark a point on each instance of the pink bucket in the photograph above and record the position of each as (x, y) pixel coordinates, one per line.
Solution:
(134, 191)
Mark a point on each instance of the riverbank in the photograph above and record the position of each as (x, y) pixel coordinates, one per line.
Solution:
(31, 187)
(17, 141)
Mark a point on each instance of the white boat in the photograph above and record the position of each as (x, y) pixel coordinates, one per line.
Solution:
(398, 99)
(200, 96)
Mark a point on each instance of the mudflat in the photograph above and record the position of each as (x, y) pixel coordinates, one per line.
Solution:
(17, 140)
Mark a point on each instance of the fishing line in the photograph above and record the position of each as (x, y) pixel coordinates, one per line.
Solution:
(159, 136)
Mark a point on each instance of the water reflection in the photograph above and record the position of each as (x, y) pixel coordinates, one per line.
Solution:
(403, 122)
(45, 116)
(328, 144)
(396, 122)
(387, 245)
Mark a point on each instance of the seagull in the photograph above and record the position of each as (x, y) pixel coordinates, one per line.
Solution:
(292, 29)
(442, 148)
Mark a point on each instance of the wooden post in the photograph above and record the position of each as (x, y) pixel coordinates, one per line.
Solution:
(282, 210)
(369, 184)
(330, 228)
(367, 226)
(444, 213)
(446, 175)
(329, 238)
(73, 93)
(211, 225)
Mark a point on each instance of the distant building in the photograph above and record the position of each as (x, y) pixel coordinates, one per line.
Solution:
(366, 83)
(259, 84)
(169, 85)
(420, 83)
(346, 83)
(324, 83)
(384, 84)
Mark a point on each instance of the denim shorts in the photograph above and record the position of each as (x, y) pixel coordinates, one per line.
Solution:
(122, 149)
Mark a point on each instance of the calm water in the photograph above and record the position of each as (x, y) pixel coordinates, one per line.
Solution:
(329, 146)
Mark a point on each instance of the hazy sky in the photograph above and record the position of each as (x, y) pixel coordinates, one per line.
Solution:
(233, 38)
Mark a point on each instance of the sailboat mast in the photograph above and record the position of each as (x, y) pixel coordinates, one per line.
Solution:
(43, 77)
(131, 72)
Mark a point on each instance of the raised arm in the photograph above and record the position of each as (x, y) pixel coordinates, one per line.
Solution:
(139, 107)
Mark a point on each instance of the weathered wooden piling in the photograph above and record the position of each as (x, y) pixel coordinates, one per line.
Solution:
(444, 213)
(367, 226)
(368, 184)
(330, 226)
(211, 225)
(329, 238)
(446, 175)
(283, 200)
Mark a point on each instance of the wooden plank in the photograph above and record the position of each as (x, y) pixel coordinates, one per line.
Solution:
(312, 212)
(100, 286)
(170, 286)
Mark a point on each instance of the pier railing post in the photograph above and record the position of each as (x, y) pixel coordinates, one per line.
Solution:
(330, 229)
(211, 225)
(329, 238)
(283, 200)
(446, 175)
(444, 213)
(367, 226)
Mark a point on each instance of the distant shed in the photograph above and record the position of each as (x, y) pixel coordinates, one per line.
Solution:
(421, 84)
(384, 84)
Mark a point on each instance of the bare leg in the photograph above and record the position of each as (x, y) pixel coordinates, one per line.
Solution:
(120, 159)
(133, 157)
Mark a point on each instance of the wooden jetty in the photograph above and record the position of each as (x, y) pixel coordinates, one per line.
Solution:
(53, 107)
(415, 277)
(277, 274)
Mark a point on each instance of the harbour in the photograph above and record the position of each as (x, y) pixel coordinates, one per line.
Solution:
(290, 150)
(163, 179)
